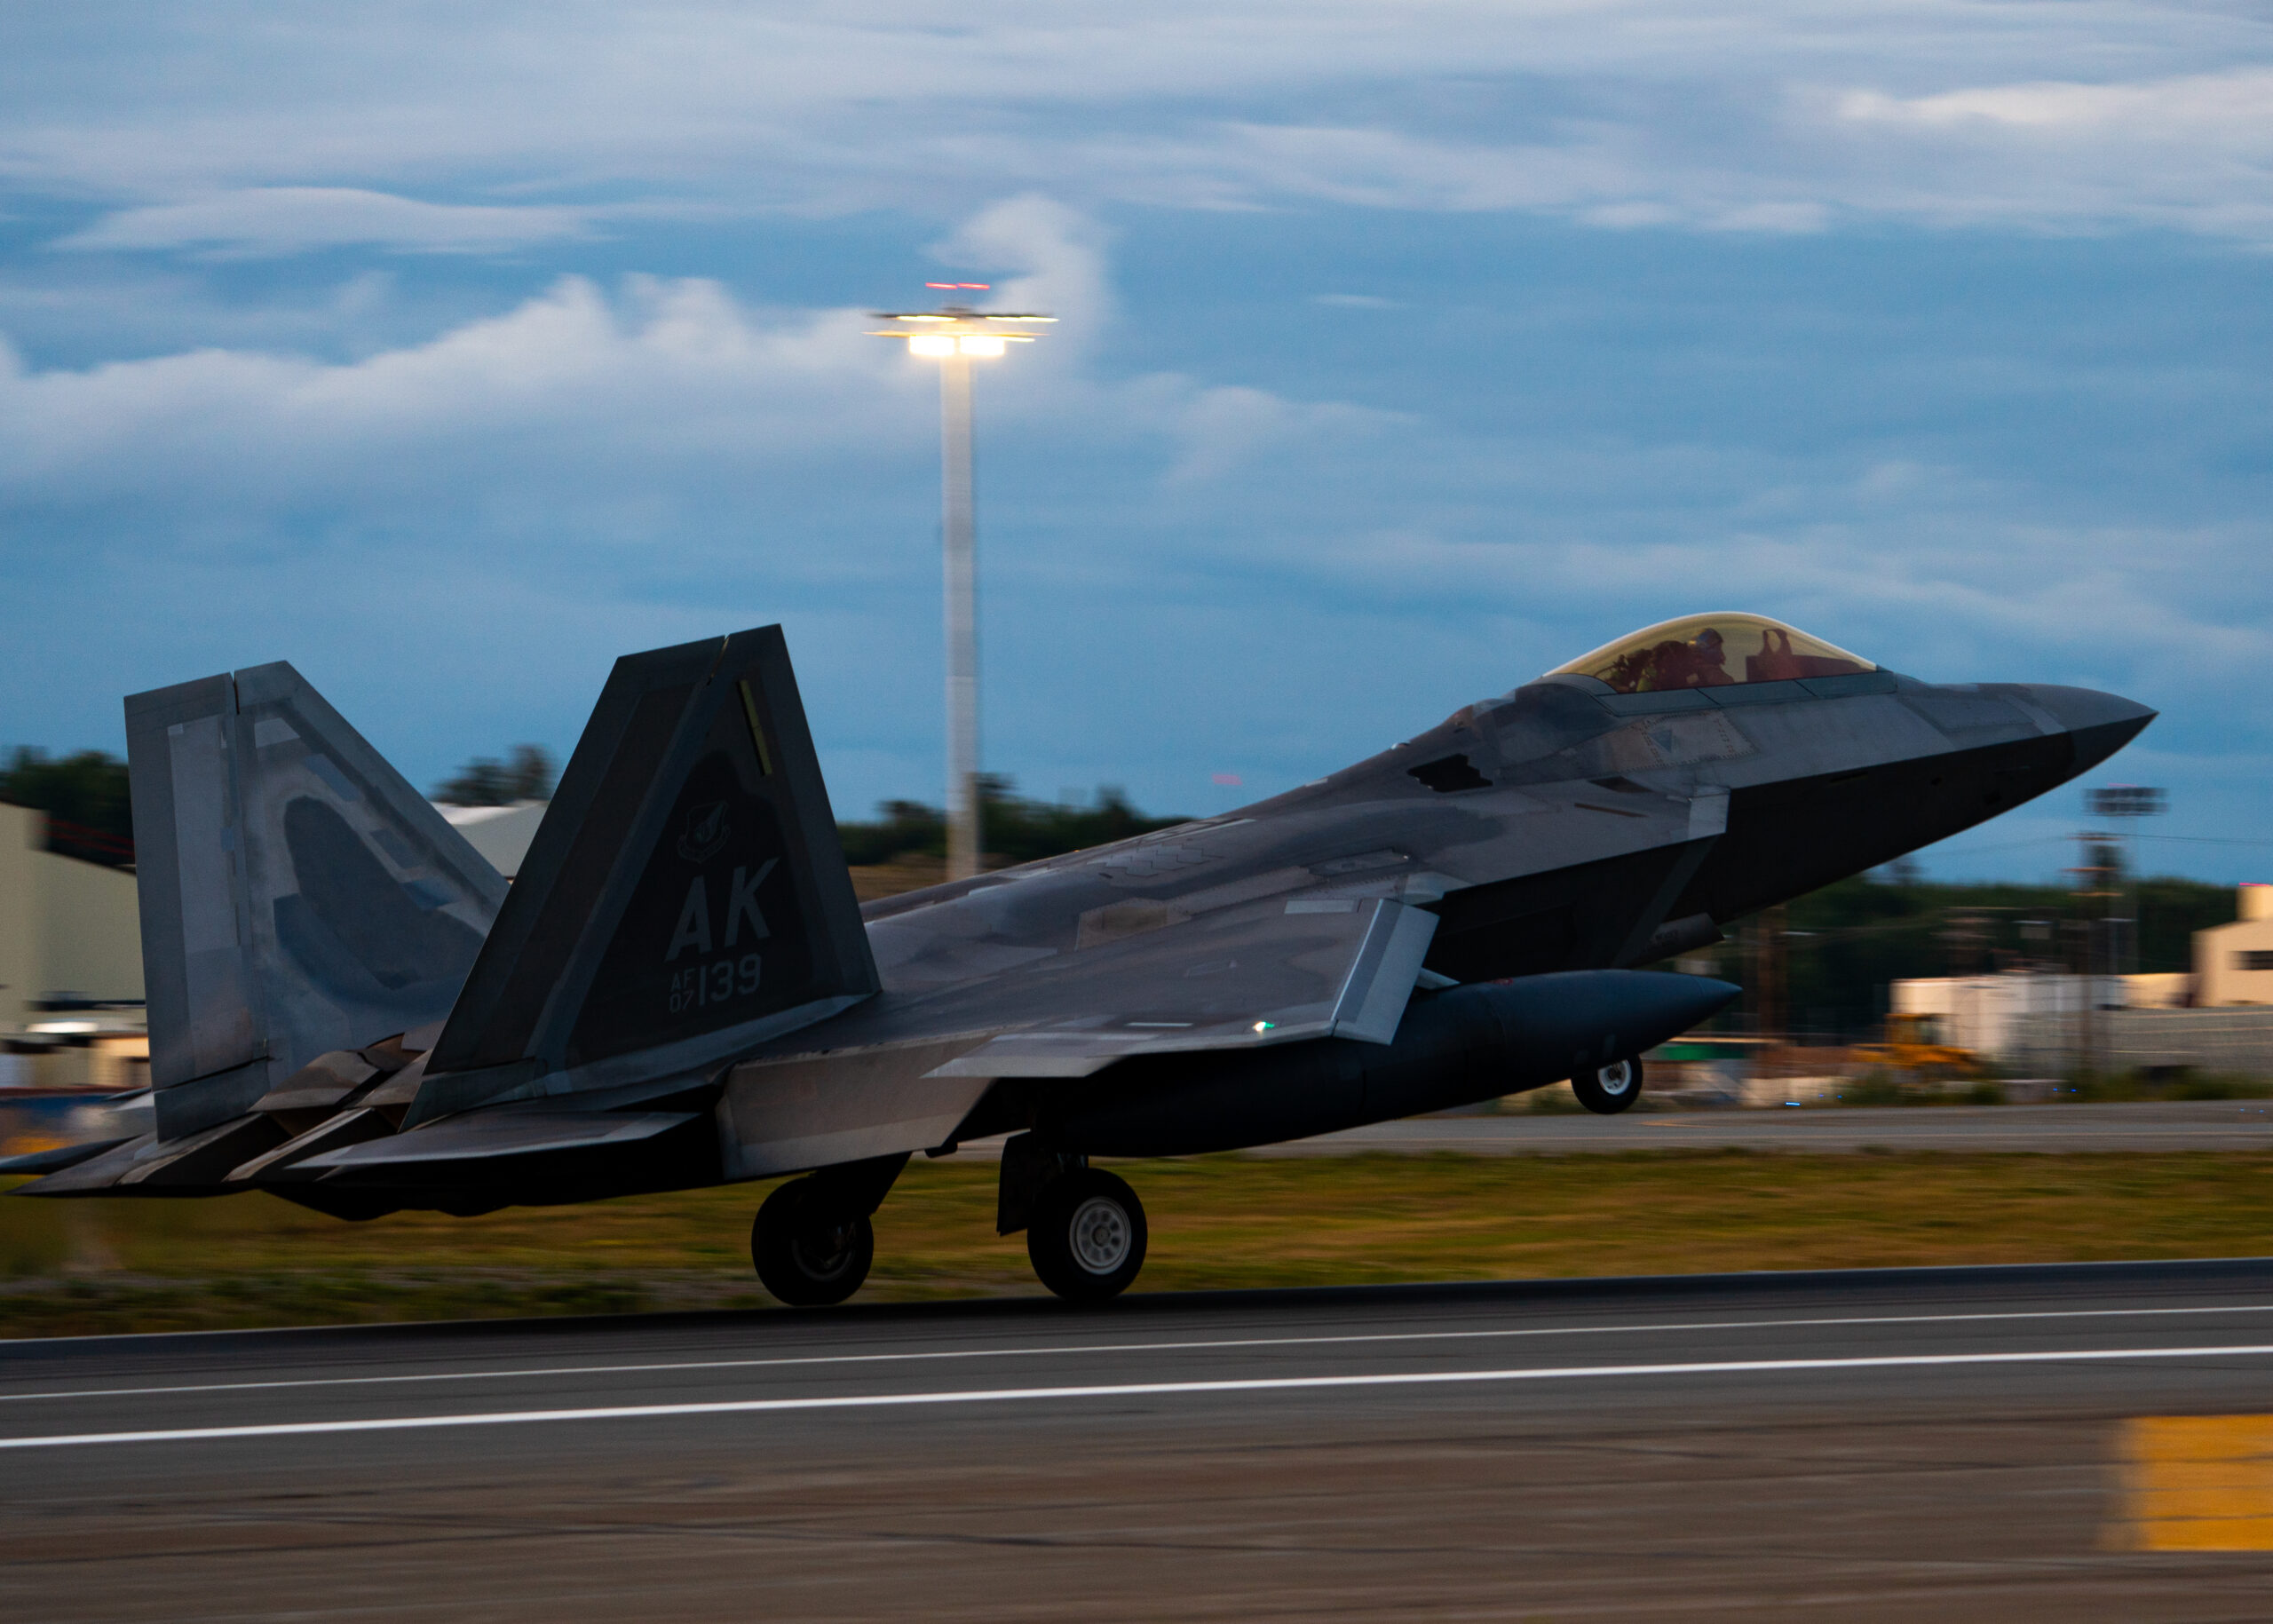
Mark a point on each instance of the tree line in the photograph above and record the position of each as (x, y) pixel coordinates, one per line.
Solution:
(1015, 827)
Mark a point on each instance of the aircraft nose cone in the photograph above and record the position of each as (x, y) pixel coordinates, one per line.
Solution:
(1606, 1012)
(1707, 998)
(2098, 723)
(1654, 1006)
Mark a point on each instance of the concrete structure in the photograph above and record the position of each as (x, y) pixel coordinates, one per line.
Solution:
(1984, 1013)
(2236, 1040)
(70, 935)
(70, 966)
(2215, 1020)
(501, 834)
(2165, 990)
(2233, 967)
(2233, 964)
(69, 940)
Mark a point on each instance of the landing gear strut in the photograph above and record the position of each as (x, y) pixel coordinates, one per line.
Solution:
(811, 1241)
(1608, 1089)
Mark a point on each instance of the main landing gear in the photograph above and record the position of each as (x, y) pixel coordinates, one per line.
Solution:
(1608, 1089)
(811, 1241)
(1086, 1237)
(1085, 1228)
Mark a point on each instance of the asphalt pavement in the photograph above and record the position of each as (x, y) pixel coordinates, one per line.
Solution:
(1938, 1444)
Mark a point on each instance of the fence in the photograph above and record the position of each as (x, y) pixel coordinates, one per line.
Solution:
(2236, 1041)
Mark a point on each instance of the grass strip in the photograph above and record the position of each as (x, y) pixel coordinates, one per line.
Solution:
(109, 1265)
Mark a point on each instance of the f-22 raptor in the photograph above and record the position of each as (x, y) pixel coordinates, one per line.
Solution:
(351, 1009)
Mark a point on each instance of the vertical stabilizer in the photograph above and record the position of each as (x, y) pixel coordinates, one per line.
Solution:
(685, 899)
(297, 894)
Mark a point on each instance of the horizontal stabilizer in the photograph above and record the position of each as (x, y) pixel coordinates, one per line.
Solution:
(202, 1160)
(333, 1133)
(492, 1136)
(685, 899)
(149, 1165)
(54, 1159)
(97, 1173)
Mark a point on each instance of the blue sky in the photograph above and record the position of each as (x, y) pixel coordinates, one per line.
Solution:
(1405, 352)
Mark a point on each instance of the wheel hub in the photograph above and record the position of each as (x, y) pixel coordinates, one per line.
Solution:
(824, 1252)
(1101, 1235)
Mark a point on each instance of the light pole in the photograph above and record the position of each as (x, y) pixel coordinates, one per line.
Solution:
(955, 334)
(2126, 803)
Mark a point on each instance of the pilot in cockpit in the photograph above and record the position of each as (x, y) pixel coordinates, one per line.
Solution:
(1711, 650)
(1701, 662)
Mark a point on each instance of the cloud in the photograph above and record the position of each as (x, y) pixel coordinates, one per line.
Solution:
(580, 389)
(591, 389)
(2192, 152)
(292, 219)
(1220, 429)
(1753, 115)
(2234, 107)
(1058, 255)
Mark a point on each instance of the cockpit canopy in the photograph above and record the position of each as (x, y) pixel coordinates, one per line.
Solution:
(1711, 650)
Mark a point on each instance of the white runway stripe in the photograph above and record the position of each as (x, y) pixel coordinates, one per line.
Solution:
(1121, 1389)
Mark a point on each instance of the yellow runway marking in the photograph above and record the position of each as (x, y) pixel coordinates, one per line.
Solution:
(2197, 1483)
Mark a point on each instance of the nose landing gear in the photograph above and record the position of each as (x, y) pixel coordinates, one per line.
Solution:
(1608, 1089)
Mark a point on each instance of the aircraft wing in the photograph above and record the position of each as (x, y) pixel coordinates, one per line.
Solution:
(906, 1070)
(1271, 972)
(1232, 935)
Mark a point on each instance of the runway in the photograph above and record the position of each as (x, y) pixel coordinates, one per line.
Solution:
(1945, 1443)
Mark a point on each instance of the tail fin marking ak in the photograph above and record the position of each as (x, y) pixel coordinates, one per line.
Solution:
(685, 899)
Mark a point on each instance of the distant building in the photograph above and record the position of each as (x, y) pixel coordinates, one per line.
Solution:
(70, 963)
(71, 1000)
(1988, 1014)
(70, 943)
(2213, 1019)
(2233, 964)
(501, 834)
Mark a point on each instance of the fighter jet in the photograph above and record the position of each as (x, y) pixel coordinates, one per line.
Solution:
(350, 1009)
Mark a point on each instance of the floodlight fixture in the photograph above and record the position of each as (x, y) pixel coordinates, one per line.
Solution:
(2120, 805)
(957, 330)
(2127, 801)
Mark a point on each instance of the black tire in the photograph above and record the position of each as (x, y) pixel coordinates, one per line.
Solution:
(806, 1256)
(1087, 1237)
(1608, 1089)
